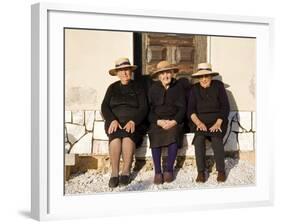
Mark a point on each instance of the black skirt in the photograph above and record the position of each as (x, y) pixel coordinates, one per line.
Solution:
(136, 137)
(159, 137)
(209, 120)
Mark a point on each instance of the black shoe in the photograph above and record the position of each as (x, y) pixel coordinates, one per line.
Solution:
(221, 177)
(124, 180)
(113, 182)
(201, 178)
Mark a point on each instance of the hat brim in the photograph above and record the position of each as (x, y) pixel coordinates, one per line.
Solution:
(156, 73)
(204, 72)
(113, 71)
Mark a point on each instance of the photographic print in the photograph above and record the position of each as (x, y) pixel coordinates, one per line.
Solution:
(144, 159)
(135, 105)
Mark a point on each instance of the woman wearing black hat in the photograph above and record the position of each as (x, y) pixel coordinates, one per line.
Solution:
(208, 108)
(167, 111)
(124, 108)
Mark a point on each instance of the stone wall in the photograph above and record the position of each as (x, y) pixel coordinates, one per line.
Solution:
(84, 135)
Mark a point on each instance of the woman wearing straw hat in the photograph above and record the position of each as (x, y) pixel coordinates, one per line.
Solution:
(167, 111)
(208, 109)
(124, 108)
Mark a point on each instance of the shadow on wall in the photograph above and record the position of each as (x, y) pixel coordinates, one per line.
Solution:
(79, 97)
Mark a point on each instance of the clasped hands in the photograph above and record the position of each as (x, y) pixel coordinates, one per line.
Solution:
(114, 125)
(166, 124)
(215, 128)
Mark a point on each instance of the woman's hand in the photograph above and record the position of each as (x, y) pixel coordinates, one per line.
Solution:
(201, 126)
(161, 123)
(169, 124)
(130, 127)
(217, 126)
(113, 126)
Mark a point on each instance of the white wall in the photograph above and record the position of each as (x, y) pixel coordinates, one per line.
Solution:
(89, 54)
(235, 60)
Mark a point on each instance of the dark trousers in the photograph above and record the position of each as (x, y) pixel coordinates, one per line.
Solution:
(200, 152)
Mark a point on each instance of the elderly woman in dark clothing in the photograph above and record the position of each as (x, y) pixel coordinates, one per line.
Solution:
(124, 108)
(208, 109)
(167, 111)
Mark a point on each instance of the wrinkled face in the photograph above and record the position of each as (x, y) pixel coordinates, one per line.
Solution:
(205, 80)
(125, 75)
(165, 77)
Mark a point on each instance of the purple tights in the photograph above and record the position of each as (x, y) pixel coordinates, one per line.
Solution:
(172, 155)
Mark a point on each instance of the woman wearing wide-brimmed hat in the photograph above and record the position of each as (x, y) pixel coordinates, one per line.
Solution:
(124, 109)
(167, 111)
(208, 108)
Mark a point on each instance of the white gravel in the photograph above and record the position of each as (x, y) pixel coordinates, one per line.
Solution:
(239, 173)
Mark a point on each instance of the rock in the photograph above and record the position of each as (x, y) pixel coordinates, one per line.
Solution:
(98, 115)
(100, 147)
(67, 117)
(74, 132)
(246, 141)
(99, 133)
(67, 146)
(84, 145)
(254, 121)
(89, 120)
(78, 117)
(65, 135)
(240, 121)
(145, 142)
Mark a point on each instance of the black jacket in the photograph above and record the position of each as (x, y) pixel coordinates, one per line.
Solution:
(166, 104)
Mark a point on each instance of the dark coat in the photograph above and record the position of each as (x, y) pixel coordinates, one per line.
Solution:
(168, 104)
(124, 103)
(209, 104)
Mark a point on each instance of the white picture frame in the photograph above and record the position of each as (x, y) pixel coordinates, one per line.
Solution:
(48, 201)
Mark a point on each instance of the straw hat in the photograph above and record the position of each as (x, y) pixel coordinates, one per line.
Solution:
(164, 66)
(204, 69)
(122, 63)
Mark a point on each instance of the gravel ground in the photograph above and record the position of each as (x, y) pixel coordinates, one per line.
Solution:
(239, 173)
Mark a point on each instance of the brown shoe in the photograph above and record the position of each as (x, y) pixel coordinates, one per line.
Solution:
(201, 177)
(221, 177)
(158, 178)
(168, 177)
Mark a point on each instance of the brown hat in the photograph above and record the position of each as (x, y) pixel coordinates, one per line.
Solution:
(122, 63)
(164, 66)
(204, 69)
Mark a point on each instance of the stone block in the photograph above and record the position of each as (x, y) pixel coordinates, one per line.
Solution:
(67, 117)
(246, 141)
(89, 120)
(98, 115)
(70, 159)
(84, 145)
(67, 147)
(65, 135)
(100, 147)
(240, 121)
(99, 133)
(254, 121)
(74, 132)
(145, 142)
(143, 152)
(78, 117)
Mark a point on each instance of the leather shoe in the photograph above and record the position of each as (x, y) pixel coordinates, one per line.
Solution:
(124, 180)
(158, 178)
(201, 177)
(168, 177)
(113, 182)
(221, 177)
